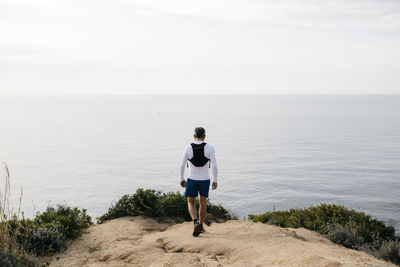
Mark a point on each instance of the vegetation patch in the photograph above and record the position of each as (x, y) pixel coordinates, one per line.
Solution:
(159, 205)
(7, 258)
(28, 242)
(343, 226)
(390, 251)
(49, 231)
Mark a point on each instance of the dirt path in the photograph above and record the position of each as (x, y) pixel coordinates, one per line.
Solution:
(140, 241)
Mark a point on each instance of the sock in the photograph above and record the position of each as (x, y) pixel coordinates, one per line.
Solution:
(196, 221)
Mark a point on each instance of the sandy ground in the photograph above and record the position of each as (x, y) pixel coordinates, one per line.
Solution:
(140, 241)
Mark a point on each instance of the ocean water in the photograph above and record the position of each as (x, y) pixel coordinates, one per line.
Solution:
(276, 152)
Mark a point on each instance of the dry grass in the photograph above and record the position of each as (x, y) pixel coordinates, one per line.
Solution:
(7, 241)
(5, 214)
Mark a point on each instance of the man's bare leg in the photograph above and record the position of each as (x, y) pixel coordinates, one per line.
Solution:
(192, 207)
(202, 209)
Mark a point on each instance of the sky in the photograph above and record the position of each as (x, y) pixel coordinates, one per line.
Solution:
(199, 47)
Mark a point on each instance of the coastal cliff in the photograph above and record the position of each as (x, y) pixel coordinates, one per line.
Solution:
(144, 241)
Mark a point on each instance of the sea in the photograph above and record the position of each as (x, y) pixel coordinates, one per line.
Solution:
(273, 151)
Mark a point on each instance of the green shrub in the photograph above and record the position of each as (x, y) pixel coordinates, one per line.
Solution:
(21, 259)
(143, 202)
(173, 204)
(157, 205)
(20, 230)
(45, 241)
(320, 219)
(68, 221)
(219, 212)
(49, 231)
(8, 259)
(21, 240)
(346, 227)
(390, 251)
(344, 235)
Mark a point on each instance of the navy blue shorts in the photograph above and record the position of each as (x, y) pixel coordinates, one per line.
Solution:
(195, 186)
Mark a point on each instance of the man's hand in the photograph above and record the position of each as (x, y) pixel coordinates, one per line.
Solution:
(214, 185)
(183, 183)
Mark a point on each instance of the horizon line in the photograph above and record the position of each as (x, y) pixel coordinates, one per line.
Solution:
(107, 94)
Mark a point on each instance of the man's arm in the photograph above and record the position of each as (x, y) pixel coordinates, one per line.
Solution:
(183, 163)
(214, 165)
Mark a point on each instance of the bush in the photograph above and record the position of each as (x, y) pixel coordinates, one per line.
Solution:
(390, 251)
(49, 231)
(220, 212)
(173, 204)
(322, 217)
(14, 259)
(346, 227)
(344, 235)
(20, 230)
(155, 204)
(68, 221)
(8, 259)
(21, 240)
(143, 202)
(45, 241)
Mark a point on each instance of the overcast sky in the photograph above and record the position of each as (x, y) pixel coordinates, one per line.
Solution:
(199, 47)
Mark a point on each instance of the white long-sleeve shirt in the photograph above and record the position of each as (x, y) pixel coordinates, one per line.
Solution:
(199, 173)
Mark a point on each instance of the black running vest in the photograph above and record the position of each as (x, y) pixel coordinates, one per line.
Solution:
(198, 159)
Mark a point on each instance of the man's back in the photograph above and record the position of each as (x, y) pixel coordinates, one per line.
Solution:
(199, 173)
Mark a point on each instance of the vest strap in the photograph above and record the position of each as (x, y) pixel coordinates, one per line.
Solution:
(198, 159)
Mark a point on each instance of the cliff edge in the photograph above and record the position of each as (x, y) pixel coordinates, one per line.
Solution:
(143, 241)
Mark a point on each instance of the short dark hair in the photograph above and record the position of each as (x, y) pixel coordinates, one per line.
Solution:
(199, 132)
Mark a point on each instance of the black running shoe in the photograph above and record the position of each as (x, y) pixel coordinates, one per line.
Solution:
(202, 230)
(197, 230)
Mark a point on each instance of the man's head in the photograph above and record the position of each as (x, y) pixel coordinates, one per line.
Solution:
(199, 133)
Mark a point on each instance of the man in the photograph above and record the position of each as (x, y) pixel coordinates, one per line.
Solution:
(198, 156)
